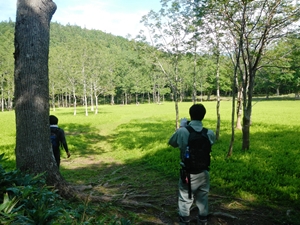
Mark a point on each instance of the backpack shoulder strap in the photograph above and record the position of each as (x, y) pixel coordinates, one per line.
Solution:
(190, 129)
(203, 131)
(56, 131)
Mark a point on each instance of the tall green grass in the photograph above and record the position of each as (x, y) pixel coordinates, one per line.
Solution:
(137, 136)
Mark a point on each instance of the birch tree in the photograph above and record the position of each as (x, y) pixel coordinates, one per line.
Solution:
(168, 31)
(255, 26)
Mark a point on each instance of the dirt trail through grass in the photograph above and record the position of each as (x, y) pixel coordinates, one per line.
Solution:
(147, 197)
(120, 156)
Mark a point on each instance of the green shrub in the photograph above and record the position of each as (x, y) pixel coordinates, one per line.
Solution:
(27, 200)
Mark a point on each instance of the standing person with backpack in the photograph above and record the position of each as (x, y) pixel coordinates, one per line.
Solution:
(58, 139)
(194, 142)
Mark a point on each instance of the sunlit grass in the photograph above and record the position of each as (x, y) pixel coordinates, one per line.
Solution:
(137, 136)
(8, 136)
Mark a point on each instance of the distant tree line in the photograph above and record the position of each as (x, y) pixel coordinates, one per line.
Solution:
(90, 67)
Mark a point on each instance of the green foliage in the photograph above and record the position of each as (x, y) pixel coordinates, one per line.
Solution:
(8, 204)
(130, 141)
(6, 208)
(102, 65)
(27, 200)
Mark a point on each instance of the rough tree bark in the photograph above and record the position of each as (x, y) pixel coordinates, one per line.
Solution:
(33, 148)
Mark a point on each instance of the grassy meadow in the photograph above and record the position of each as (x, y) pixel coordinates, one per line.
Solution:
(119, 137)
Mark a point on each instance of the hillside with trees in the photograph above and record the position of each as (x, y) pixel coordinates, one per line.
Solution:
(90, 67)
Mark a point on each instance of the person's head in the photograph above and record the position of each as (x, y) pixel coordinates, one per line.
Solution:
(197, 112)
(53, 120)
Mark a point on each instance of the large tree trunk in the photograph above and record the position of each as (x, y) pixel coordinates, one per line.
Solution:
(33, 147)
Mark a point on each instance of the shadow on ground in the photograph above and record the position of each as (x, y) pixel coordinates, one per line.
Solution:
(147, 193)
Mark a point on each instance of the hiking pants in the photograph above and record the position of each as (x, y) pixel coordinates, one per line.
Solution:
(200, 189)
(56, 153)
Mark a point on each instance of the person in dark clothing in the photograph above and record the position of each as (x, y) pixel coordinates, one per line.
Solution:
(58, 139)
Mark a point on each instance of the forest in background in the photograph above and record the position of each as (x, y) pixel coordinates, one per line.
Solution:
(88, 67)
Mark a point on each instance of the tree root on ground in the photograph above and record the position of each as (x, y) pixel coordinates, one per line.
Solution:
(120, 199)
(125, 199)
(222, 214)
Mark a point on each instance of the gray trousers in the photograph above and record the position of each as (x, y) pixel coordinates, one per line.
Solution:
(200, 189)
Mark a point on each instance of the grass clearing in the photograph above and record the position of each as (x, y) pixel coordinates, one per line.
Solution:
(123, 151)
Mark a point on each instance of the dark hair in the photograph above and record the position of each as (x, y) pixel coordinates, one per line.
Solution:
(53, 120)
(197, 112)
